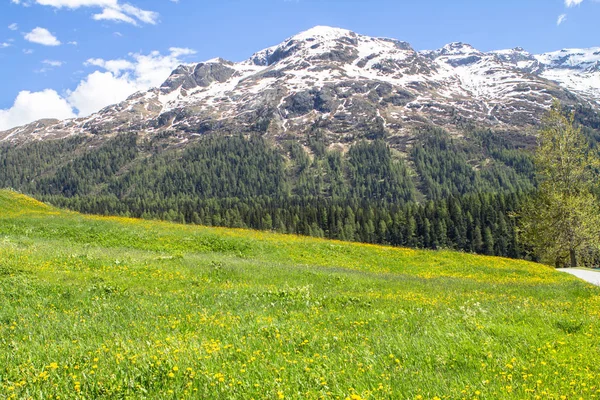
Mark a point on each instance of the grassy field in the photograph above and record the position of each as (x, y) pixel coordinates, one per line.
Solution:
(116, 308)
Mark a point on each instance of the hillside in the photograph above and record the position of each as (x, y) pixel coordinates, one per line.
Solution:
(96, 307)
(368, 193)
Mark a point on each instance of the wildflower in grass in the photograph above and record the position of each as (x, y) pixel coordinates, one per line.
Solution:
(272, 350)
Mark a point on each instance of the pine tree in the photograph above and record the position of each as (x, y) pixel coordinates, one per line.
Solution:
(477, 240)
(488, 242)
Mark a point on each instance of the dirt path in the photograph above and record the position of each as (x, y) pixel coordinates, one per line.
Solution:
(590, 276)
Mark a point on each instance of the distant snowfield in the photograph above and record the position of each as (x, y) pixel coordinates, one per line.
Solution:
(589, 276)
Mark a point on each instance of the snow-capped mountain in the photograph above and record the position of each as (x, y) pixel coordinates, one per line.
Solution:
(575, 69)
(348, 85)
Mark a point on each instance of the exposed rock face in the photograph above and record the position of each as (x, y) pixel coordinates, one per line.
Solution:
(348, 85)
(202, 75)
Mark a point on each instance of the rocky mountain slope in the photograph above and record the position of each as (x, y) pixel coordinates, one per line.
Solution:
(347, 85)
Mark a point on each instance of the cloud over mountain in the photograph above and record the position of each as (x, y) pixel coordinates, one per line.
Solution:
(112, 81)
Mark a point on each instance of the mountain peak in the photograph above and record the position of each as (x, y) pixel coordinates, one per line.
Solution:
(314, 40)
(458, 48)
(323, 32)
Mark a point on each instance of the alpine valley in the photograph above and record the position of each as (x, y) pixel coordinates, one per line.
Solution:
(329, 133)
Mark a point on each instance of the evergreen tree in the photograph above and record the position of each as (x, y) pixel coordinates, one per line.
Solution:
(477, 240)
(488, 242)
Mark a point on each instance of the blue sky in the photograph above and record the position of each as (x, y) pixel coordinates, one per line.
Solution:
(66, 58)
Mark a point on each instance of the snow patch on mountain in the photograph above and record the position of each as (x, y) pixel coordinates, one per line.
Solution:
(581, 59)
(575, 69)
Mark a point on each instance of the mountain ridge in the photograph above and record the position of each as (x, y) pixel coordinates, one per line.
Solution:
(349, 85)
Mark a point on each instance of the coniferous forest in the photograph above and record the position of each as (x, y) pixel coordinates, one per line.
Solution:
(460, 192)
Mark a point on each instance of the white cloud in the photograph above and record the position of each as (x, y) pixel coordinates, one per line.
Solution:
(112, 82)
(178, 52)
(111, 10)
(112, 14)
(573, 3)
(77, 3)
(29, 107)
(13, 27)
(99, 90)
(113, 66)
(53, 63)
(42, 36)
(561, 18)
(4, 45)
(148, 17)
(127, 13)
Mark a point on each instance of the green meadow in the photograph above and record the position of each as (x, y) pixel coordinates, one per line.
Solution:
(115, 308)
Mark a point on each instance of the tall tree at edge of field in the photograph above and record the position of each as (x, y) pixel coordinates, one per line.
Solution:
(562, 221)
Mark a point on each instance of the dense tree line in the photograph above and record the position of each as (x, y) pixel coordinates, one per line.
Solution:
(478, 223)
